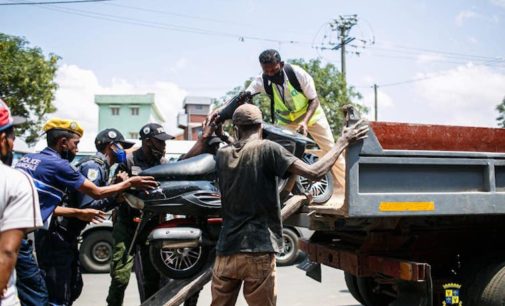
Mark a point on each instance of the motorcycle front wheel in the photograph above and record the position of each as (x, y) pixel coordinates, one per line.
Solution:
(178, 263)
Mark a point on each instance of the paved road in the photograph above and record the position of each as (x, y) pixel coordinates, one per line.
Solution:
(294, 289)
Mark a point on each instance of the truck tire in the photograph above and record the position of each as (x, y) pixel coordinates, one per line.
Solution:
(95, 252)
(352, 284)
(367, 290)
(486, 286)
(289, 254)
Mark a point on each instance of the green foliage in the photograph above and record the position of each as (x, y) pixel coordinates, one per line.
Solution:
(331, 88)
(27, 82)
(501, 111)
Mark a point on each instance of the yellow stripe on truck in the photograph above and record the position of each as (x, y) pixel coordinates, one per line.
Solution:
(406, 206)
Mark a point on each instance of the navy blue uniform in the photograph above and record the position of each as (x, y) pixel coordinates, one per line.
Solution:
(53, 177)
(60, 246)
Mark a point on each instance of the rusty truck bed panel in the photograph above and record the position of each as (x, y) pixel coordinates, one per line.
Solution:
(407, 136)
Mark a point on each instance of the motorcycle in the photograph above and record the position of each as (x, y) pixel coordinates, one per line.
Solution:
(188, 203)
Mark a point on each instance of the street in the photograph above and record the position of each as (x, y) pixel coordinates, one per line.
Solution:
(294, 288)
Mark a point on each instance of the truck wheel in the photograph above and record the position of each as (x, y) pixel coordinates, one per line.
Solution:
(95, 251)
(352, 284)
(487, 286)
(289, 254)
(178, 263)
(370, 294)
(321, 190)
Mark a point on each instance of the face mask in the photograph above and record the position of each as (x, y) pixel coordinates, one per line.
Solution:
(69, 156)
(119, 154)
(156, 153)
(277, 78)
(7, 158)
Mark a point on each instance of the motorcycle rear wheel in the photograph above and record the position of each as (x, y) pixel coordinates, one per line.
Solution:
(178, 263)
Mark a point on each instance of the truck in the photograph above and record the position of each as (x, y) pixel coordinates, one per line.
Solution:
(423, 218)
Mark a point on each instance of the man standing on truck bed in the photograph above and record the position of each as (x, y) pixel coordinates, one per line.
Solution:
(294, 103)
(252, 226)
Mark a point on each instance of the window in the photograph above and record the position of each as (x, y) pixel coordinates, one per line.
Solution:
(135, 111)
(133, 135)
(115, 111)
(198, 106)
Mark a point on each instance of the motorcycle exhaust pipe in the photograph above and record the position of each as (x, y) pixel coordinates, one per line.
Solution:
(176, 237)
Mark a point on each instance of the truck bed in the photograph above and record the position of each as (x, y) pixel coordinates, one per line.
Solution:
(422, 170)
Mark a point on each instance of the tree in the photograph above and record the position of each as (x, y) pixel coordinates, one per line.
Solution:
(331, 88)
(501, 110)
(27, 82)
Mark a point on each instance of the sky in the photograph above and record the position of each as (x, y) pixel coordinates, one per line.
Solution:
(438, 62)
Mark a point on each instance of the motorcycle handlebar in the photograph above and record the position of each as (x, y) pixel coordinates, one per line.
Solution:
(228, 110)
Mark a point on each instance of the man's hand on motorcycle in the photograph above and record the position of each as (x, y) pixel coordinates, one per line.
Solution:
(91, 215)
(209, 128)
(211, 117)
(355, 132)
(143, 182)
(302, 128)
(121, 176)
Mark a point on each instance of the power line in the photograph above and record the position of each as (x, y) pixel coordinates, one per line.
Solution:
(457, 54)
(163, 26)
(52, 2)
(228, 22)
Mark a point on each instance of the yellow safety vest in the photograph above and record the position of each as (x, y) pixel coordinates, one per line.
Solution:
(293, 114)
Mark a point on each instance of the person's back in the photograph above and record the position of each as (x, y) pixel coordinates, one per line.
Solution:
(247, 180)
(252, 226)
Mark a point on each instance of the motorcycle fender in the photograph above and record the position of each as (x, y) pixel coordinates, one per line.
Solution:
(176, 237)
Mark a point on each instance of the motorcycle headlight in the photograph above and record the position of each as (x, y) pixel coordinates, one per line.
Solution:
(133, 201)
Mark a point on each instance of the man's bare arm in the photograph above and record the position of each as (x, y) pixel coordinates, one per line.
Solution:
(311, 109)
(142, 182)
(86, 214)
(317, 170)
(9, 247)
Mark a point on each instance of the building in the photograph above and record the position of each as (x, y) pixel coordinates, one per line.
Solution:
(127, 113)
(196, 110)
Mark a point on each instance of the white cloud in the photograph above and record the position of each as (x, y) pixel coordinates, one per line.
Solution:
(75, 98)
(499, 3)
(384, 103)
(472, 40)
(464, 15)
(180, 64)
(429, 57)
(466, 95)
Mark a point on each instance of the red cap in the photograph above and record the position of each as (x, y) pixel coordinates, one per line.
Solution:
(6, 119)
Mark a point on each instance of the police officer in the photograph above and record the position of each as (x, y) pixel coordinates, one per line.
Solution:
(59, 245)
(53, 177)
(151, 154)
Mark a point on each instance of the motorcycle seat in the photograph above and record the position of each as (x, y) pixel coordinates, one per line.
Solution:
(200, 166)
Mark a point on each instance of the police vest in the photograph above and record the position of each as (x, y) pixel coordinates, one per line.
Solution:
(295, 109)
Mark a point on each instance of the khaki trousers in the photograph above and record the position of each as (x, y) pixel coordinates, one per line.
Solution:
(256, 271)
(321, 132)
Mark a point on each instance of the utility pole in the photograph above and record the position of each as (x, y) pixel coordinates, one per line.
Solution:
(375, 98)
(343, 25)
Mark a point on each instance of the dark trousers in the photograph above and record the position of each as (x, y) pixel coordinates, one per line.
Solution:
(59, 260)
(30, 283)
(122, 262)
